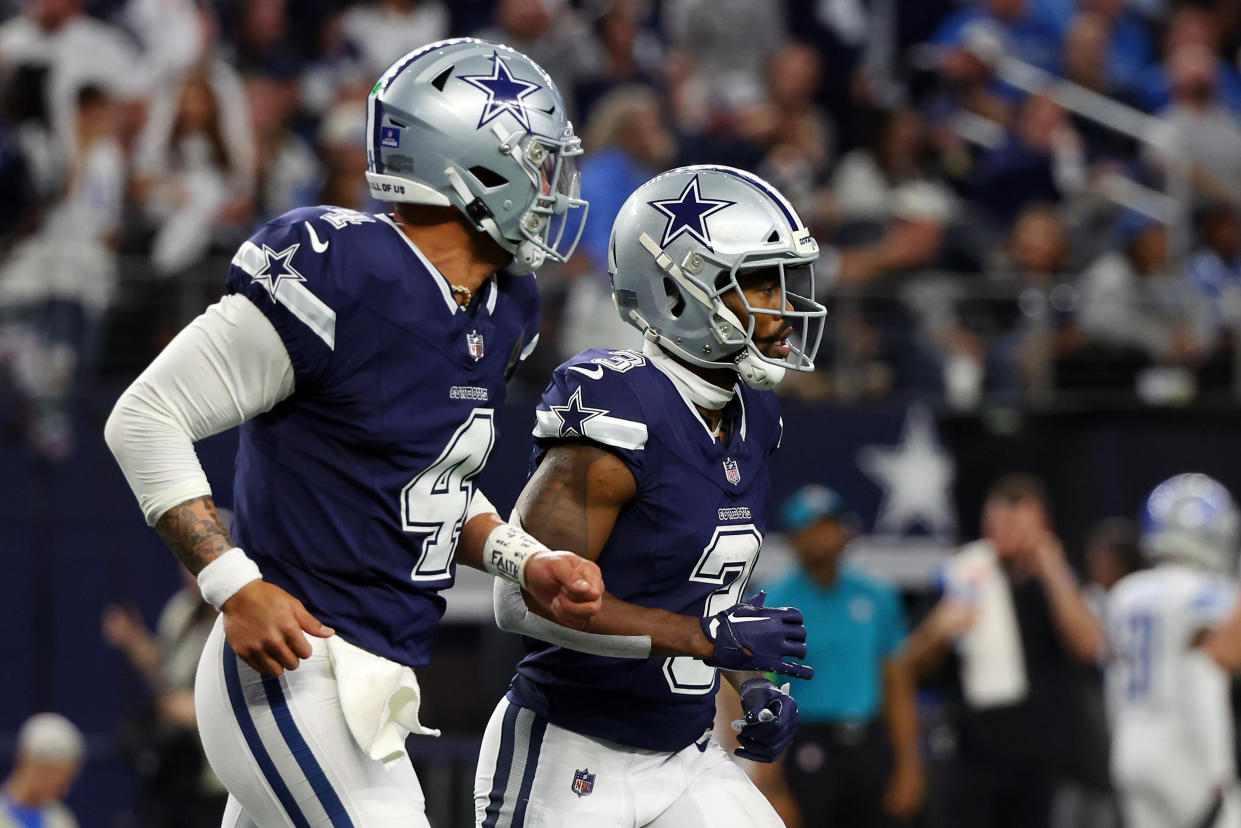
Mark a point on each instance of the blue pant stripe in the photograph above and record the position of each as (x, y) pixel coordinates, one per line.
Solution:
(504, 762)
(537, 729)
(306, 760)
(232, 681)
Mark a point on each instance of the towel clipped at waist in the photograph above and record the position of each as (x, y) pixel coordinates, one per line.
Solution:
(380, 700)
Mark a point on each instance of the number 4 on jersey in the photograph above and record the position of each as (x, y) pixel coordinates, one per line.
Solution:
(433, 504)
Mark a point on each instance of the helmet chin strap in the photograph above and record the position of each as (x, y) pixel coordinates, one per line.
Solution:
(754, 372)
(759, 375)
(528, 258)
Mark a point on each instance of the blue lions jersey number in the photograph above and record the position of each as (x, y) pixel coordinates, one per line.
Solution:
(727, 562)
(1143, 644)
(433, 504)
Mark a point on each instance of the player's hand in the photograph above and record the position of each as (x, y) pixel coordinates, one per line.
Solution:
(770, 721)
(266, 627)
(567, 584)
(749, 636)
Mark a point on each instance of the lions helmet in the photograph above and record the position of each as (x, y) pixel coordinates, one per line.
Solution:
(1192, 519)
(480, 127)
(678, 246)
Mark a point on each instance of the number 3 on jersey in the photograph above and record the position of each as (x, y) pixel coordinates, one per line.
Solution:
(727, 561)
(433, 504)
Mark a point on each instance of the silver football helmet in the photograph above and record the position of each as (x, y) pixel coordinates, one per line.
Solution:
(1192, 519)
(678, 246)
(480, 127)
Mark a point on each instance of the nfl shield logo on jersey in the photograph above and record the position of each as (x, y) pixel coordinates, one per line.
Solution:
(583, 783)
(731, 471)
(474, 341)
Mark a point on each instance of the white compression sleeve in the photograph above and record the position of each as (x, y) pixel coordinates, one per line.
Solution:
(224, 368)
(513, 616)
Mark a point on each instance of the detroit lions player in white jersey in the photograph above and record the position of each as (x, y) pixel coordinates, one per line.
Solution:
(655, 463)
(1172, 742)
(365, 358)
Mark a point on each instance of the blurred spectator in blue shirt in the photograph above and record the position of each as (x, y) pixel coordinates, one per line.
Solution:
(1104, 34)
(855, 759)
(1215, 267)
(1189, 26)
(50, 753)
(627, 142)
(1030, 33)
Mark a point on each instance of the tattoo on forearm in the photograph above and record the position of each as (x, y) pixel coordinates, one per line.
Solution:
(194, 533)
(554, 506)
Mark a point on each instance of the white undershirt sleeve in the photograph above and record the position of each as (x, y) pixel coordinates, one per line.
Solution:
(513, 616)
(224, 368)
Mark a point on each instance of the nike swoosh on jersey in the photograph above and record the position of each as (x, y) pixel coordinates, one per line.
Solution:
(317, 245)
(595, 374)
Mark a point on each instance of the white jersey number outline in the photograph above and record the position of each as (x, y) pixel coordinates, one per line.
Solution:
(433, 504)
(727, 561)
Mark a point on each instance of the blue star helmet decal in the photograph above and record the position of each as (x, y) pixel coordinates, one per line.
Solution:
(687, 213)
(574, 416)
(278, 267)
(505, 93)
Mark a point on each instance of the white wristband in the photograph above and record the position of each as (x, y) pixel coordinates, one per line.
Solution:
(222, 578)
(507, 550)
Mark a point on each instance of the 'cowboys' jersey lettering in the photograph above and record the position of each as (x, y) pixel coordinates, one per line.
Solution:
(350, 494)
(670, 549)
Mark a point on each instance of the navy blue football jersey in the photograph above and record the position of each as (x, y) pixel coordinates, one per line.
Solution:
(686, 543)
(351, 493)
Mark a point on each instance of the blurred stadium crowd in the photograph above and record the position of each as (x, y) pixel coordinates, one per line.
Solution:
(1015, 197)
(1029, 201)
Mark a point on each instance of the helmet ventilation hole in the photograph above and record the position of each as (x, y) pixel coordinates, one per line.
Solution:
(442, 78)
(774, 237)
(488, 178)
(676, 302)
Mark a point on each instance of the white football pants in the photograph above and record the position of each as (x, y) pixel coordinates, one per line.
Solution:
(282, 748)
(533, 774)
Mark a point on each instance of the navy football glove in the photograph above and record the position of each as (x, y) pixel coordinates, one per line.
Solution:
(749, 636)
(770, 721)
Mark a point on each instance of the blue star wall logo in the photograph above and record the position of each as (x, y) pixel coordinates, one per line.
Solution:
(505, 93)
(278, 267)
(687, 213)
(574, 416)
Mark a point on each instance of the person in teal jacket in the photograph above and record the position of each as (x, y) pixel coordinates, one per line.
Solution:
(855, 760)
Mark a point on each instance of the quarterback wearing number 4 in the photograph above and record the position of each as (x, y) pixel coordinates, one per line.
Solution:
(364, 357)
(655, 463)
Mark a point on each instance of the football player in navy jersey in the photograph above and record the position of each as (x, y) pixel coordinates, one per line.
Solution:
(364, 358)
(655, 464)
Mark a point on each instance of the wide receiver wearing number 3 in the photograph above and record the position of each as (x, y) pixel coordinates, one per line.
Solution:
(655, 463)
(364, 357)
